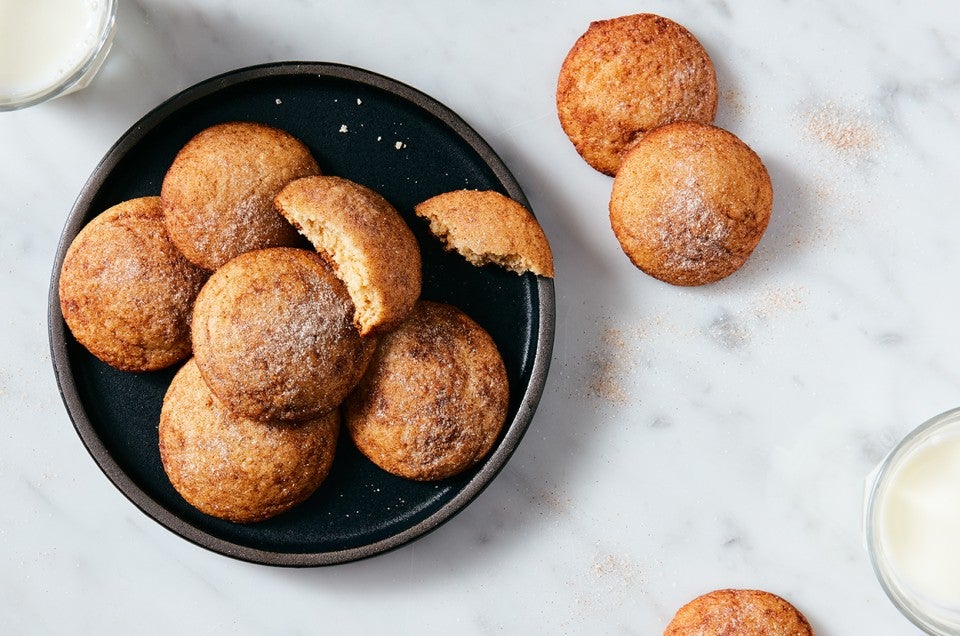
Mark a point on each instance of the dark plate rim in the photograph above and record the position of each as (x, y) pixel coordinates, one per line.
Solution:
(515, 429)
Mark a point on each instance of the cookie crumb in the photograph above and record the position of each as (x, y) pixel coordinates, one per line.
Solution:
(278, 101)
(359, 101)
(343, 128)
(399, 145)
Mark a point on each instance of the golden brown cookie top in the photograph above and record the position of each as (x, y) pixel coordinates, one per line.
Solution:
(488, 227)
(235, 468)
(374, 252)
(738, 613)
(434, 398)
(126, 292)
(626, 76)
(218, 192)
(274, 338)
(690, 203)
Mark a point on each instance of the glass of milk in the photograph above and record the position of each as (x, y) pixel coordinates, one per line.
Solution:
(50, 48)
(912, 525)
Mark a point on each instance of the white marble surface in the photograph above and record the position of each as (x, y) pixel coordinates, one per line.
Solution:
(688, 439)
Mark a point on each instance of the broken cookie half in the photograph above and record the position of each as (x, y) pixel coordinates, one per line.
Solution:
(488, 227)
(373, 251)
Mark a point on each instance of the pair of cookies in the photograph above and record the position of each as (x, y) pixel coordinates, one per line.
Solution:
(637, 96)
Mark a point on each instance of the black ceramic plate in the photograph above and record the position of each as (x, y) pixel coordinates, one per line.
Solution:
(387, 136)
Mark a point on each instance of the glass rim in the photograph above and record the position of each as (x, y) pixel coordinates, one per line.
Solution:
(89, 63)
(917, 611)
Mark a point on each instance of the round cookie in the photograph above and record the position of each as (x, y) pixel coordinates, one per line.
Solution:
(690, 203)
(376, 255)
(625, 77)
(488, 227)
(218, 192)
(126, 292)
(434, 398)
(740, 612)
(273, 336)
(235, 468)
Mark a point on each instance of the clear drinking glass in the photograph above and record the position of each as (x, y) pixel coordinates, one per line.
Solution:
(34, 32)
(895, 477)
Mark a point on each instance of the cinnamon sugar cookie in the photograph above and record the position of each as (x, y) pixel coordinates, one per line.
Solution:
(218, 193)
(273, 336)
(738, 613)
(235, 468)
(690, 203)
(434, 398)
(126, 292)
(626, 76)
(376, 255)
(488, 227)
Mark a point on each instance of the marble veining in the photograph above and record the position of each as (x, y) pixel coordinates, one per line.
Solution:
(687, 440)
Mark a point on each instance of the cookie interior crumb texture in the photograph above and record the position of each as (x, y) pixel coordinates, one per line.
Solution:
(487, 227)
(371, 247)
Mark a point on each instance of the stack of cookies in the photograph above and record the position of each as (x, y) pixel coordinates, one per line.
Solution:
(637, 96)
(282, 343)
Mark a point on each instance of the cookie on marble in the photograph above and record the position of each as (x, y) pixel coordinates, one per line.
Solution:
(488, 227)
(273, 336)
(373, 250)
(126, 292)
(627, 76)
(690, 203)
(739, 612)
(218, 192)
(236, 468)
(434, 398)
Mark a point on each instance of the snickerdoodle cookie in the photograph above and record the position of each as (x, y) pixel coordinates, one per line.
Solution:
(434, 397)
(690, 203)
(488, 227)
(627, 76)
(126, 292)
(236, 468)
(373, 250)
(740, 613)
(273, 336)
(218, 193)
